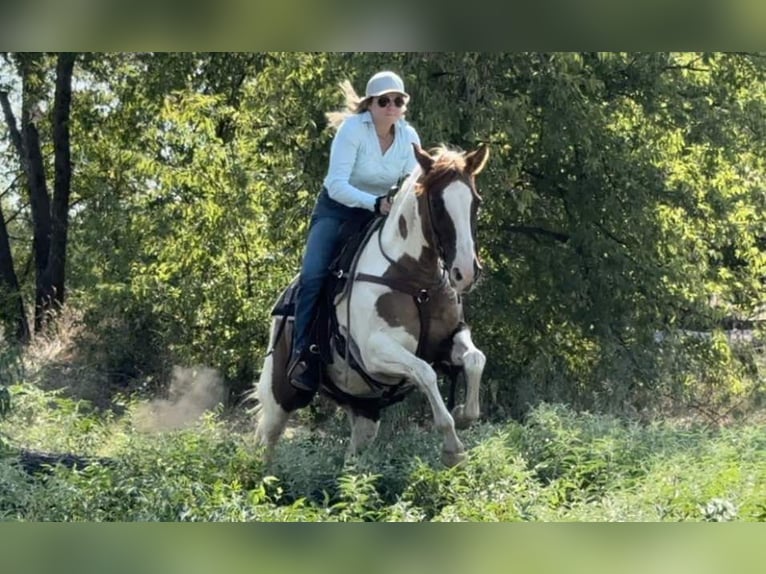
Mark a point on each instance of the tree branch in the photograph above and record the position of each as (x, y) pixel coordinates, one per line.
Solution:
(10, 119)
(11, 186)
(534, 231)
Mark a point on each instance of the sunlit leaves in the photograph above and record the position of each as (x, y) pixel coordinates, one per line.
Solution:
(623, 195)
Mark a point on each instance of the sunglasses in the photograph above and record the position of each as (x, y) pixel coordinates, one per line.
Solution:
(383, 101)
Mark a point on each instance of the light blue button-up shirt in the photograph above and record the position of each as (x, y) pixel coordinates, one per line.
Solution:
(359, 171)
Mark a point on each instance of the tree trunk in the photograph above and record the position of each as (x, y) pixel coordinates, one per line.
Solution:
(56, 272)
(12, 312)
(39, 200)
(50, 219)
(33, 462)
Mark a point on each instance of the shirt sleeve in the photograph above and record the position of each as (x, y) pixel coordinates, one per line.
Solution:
(343, 154)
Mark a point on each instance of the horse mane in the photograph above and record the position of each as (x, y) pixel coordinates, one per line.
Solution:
(448, 162)
(447, 157)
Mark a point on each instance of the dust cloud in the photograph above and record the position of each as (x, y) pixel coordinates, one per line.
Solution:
(193, 391)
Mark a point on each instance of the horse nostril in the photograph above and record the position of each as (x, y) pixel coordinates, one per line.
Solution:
(457, 274)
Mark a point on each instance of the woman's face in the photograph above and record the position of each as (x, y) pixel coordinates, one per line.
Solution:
(388, 107)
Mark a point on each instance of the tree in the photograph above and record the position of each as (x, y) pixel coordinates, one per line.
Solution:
(623, 196)
(49, 217)
(12, 311)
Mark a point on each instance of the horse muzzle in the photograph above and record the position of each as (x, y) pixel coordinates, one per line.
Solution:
(463, 280)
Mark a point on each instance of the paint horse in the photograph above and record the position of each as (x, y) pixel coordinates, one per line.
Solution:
(401, 314)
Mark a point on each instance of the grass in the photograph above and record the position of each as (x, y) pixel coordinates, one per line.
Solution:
(183, 459)
(557, 466)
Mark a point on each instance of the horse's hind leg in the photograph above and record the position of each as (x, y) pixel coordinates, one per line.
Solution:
(364, 429)
(464, 353)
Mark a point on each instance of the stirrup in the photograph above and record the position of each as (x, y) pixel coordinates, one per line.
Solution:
(298, 382)
(302, 376)
(296, 366)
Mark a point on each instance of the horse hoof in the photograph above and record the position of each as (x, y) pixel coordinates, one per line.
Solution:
(450, 459)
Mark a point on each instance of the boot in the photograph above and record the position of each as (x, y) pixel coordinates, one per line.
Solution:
(303, 371)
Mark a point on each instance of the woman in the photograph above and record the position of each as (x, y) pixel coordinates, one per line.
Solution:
(371, 151)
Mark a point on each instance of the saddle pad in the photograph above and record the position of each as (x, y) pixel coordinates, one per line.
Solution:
(285, 305)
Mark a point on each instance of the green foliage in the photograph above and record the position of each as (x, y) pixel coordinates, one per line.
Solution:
(210, 230)
(618, 223)
(579, 457)
(623, 200)
(557, 466)
(11, 371)
(495, 484)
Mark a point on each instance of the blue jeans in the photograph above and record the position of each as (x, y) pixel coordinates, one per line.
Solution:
(321, 247)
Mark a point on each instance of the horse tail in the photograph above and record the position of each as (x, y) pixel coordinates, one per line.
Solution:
(270, 416)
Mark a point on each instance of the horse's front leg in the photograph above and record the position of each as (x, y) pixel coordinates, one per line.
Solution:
(464, 353)
(387, 357)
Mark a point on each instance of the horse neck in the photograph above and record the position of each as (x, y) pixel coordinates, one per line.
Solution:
(405, 238)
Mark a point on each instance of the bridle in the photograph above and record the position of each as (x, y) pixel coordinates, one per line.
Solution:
(435, 240)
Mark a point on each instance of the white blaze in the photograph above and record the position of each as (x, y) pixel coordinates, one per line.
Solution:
(457, 200)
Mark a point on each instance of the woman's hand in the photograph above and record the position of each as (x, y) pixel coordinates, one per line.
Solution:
(382, 205)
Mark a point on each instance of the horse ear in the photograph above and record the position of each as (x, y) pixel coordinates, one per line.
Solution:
(425, 160)
(476, 160)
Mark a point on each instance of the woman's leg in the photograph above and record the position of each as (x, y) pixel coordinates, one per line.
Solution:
(321, 248)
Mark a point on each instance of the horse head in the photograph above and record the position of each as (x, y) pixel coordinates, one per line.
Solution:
(449, 208)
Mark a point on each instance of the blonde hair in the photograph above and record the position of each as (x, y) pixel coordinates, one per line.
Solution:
(354, 105)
